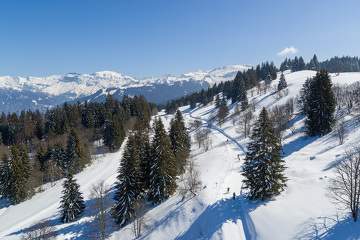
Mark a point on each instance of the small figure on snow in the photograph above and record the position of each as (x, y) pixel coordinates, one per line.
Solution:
(234, 195)
(228, 190)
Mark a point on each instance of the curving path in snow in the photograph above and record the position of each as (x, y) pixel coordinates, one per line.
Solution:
(248, 227)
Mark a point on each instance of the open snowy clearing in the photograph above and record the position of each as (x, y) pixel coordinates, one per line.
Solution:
(302, 211)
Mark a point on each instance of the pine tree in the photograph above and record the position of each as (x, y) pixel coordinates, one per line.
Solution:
(72, 202)
(180, 141)
(163, 170)
(141, 135)
(41, 157)
(263, 167)
(74, 152)
(321, 105)
(114, 133)
(282, 82)
(58, 154)
(128, 188)
(217, 101)
(6, 176)
(18, 179)
(223, 111)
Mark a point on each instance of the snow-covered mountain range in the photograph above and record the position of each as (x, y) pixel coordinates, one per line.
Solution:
(17, 93)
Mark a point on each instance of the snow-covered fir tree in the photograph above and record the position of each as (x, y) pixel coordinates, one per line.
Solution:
(6, 175)
(321, 103)
(129, 187)
(223, 111)
(163, 170)
(282, 82)
(180, 141)
(263, 167)
(141, 135)
(72, 202)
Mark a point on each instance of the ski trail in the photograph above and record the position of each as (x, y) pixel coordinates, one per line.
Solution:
(247, 225)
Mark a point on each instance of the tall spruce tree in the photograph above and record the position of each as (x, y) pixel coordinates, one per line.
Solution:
(72, 202)
(321, 103)
(6, 176)
(180, 141)
(163, 170)
(18, 179)
(74, 152)
(141, 135)
(129, 187)
(263, 167)
(282, 82)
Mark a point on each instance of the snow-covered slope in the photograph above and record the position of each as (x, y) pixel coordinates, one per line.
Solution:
(75, 86)
(302, 211)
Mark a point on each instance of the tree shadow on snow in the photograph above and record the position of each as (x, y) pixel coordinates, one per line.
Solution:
(79, 229)
(214, 216)
(327, 228)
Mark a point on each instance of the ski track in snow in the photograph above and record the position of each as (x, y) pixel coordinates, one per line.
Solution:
(248, 226)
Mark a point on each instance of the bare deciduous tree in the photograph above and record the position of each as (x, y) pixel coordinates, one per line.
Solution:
(203, 139)
(340, 132)
(344, 188)
(100, 206)
(41, 230)
(139, 217)
(192, 182)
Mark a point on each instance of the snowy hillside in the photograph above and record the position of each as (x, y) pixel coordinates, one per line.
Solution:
(45, 92)
(302, 211)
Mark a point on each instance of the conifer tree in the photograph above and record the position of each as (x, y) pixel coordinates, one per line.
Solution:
(180, 141)
(321, 105)
(72, 202)
(141, 135)
(223, 111)
(163, 170)
(263, 167)
(128, 188)
(6, 176)
(217, 101)
(41, 157)
(113, 132)
(282, 82)
(58, 154)
(74, 152)
(18, 178)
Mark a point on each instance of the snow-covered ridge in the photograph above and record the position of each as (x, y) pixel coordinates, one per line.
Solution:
(79, 85)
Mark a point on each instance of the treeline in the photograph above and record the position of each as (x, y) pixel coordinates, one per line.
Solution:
(333, 65)
(40, 148)
(230, 89)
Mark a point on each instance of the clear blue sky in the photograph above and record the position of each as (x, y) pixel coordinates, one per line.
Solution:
(151, 38)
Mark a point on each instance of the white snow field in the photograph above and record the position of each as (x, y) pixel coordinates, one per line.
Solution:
(302, 211)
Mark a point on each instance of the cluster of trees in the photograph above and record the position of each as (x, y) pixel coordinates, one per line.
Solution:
(61, 140)
(317, 101)
(333, 65)
(234, 89)
(148, 169)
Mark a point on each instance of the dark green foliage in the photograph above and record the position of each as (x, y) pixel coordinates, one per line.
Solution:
(74, 152)
(6, 176)
(239, 90)
(129, 187)
(263, 167)
(58, 155)
(313, 64)
(180, 141)
(41, 157)
(282, 82)
(223, 111)
(114, 133)
(163, 170)
(141, 135)
(72, 202)
(321, 104)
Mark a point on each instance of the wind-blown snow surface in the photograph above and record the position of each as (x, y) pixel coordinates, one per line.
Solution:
(302, 211)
